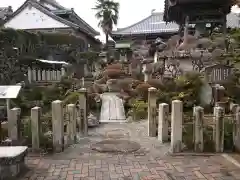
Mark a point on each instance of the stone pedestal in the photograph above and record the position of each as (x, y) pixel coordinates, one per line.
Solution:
(219, 141)
(72, 128)
(198, 117)
(58, 126)
(152, 112)
(12, 161)
(176, 123)
(82, 121)
(14, 123)
(163, 122)
(36, 127)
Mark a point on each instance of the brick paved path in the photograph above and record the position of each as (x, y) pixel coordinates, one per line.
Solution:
(151, 162)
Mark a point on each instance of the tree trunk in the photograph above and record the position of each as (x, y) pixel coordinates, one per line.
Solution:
(107, 50)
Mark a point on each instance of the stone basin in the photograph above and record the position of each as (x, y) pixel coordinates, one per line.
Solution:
(12, 161)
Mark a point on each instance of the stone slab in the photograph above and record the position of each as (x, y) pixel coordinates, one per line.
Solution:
(12, 151)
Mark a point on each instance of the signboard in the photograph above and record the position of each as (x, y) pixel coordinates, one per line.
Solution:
(218, 73)
(9, 92)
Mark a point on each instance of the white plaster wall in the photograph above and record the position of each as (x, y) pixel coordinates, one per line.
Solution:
(32, 18)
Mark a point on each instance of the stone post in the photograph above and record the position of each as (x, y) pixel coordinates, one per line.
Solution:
(163, 122)
(14, 123)
(48, 72)
(72, 128)
(36, 127)
(219, 141)
(236, 136)
(43, 75)
(58, 126)
(82, 121)
(198, 117)
(234, 109)
(176, 123)
(58, 75)
(152, 112)
(34, 75)
(62, 71)
(29, 75)
(39, 75)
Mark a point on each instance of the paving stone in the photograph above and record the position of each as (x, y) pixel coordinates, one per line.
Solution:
(154, 165)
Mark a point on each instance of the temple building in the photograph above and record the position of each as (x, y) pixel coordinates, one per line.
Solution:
(148, 29)
(204, 15)
(49, 16)
(141, 35)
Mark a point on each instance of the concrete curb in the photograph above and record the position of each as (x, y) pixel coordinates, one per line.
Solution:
(231, 159)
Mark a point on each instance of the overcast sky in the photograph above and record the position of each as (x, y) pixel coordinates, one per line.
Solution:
(131, 11)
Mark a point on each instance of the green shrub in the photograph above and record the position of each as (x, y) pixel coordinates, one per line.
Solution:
(139, 110)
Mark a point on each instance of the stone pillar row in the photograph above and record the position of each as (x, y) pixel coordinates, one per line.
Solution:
(45, 75)
(160, 128)
(76, 123)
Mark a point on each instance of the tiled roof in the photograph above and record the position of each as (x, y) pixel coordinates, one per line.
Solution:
(155, 24)
(152, 24)
(80, 25)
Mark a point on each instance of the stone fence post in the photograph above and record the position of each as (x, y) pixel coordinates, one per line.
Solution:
(234, 109)
(163, 122)
(58, 126)
(72, 128)
(198, 117)
(219, 141)
(36, 127)
(152, 112)
(176, 123)
(82, 121)
(14, 123)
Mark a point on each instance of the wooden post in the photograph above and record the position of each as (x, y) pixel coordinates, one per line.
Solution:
(35, 127)
(163, 122)
(176, 126)
(198, 117)
(152, 112)
(58, 125)
(219, 141)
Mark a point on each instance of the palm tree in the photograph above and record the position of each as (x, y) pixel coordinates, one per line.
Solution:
(107, 14)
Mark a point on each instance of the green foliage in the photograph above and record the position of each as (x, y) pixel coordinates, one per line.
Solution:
(139, 109)
(71, 98)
